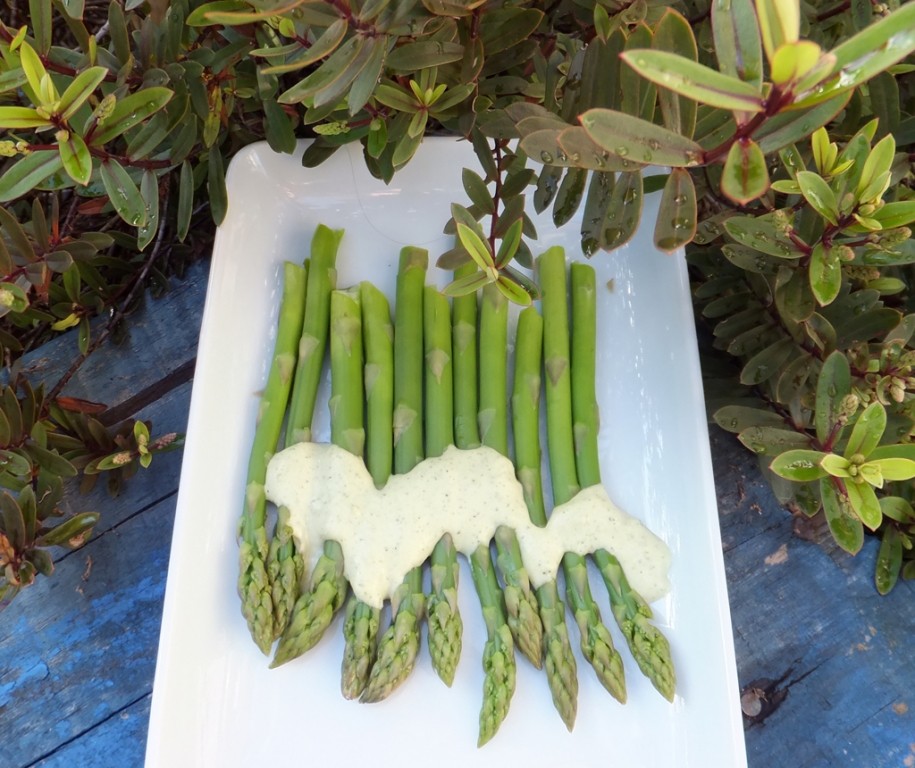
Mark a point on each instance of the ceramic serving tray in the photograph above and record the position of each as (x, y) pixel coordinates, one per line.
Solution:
(216, 702)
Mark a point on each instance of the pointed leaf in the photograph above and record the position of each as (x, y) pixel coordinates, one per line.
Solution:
(76, 159)
(675, 225)
(638, 140)
(20, 118)
(819, 194)
(767, 363)
(868, 429)
(674, 35)
(844, 525)
(694, 80)
(762, 234)
(185, 200)
(513, 292)
(625, 211)
(326, 43)
(800, 465)
(476, 246)
(897, 214)
(509, 245)
(477, 191)
(895, 469)
(889, 560)
(216, 186)
(793, 125)
(745, 176)
(833, 385)
(863, 500)
(825, 274)
(468, 284)
(149, 191)
(79, 91)
(130, 111)
(28, 173)
(71, 532)
(835, 465)
(737, 40)
(569, 195)
(123, 193)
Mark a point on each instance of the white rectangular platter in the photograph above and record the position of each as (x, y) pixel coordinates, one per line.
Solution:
(216, 703)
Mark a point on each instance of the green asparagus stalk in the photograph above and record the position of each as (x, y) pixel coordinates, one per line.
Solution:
(596, 642)
(360, 628)
(558, 657)
(648, 645)
(254, 586)
(464, 349)
(399, 644)
(442, 614)
(498, 653)
(520, 602)
(315, 609)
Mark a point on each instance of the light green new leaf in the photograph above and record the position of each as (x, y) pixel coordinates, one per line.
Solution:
(28, 173)
(123, 193)
(675, 225)
(863, 500)
(835, 465)
(745, 176)
(876, 167)
(510, 243)
(639, 140)
(793, 61)
(476, 246)
(695, 80)
(895, 469)
(868, 429)
(34, 70)
(12, 80)
(468, 284)
(779, 23)
(78, 92)
(825, 274)
(800, 465)
(130, 111)
(76, 159)
(894, 215)
(513, 292)
(737, 40)
(19, 118)
(844, 525)
(833, 385)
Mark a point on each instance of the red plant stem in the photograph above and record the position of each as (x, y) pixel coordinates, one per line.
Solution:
(777, 99)
(149, 165)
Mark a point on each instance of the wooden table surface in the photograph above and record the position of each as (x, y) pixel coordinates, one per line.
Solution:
(827, 661)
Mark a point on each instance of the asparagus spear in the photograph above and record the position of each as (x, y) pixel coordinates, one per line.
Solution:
(559, 659)
(399, 645)
(315, 609)
(253, 580)
(360, 628)
(520, 602)
(648, 645)
(443, 616)
(498, 653)
(596, 642)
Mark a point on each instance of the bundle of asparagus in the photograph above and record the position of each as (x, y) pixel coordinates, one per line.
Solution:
(440, 377)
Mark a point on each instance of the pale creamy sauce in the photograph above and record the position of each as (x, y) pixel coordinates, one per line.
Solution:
(467, 493)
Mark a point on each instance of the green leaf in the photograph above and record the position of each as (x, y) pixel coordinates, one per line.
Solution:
(837, 466)
(737, 40)
(819, 194)
(185, 200)
(74, 8)
(569, 195)
(367, 75)
(674, 35)
(745, 176)
(395, 97)
(13, 521)
(412, 57)
(226, 12)
(29, 172)
(898, 509)
(694, 80)
(476, 246)
(825, 274)
(19, 118)
(12, 80)
(123, 193)
(675, 224)
(216, 186)
(328, 41)
(762, 234)
(845, 527)
(791, 126)
(149, 191)
(77, 161)
(638, 140)
(130, 111)
(833, 385)
(71, 532)
(41, 19)
(877, 164)
(625, 211)
(800, 465)
(863, 500)
(477, 191)
(468, 284)
(513, 292)
(16, 235)
(767, 363)
(509, 245)
(507, 27)
(771, 441)
(893, 215)
(895, 469)
(736, 418)
(889, 560)
(79, 91)
(794, 64)
(779, 22)
(868, 429)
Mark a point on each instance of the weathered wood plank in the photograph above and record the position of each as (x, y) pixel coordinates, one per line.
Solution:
(829, 655)
(81, 647)
(117, 742)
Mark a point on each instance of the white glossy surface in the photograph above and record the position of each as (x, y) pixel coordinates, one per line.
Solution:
(215, 702)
